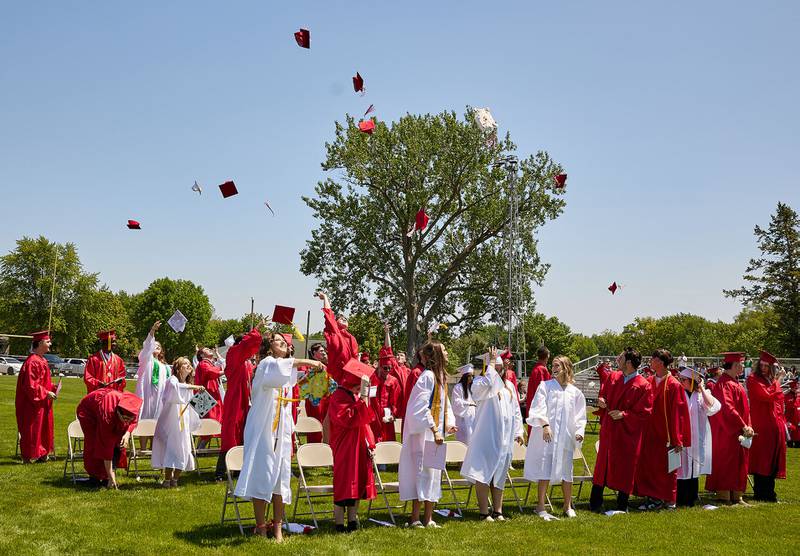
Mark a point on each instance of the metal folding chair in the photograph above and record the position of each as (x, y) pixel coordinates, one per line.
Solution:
(74, 447)
(386, 453)
(314, 455)
(233, 463)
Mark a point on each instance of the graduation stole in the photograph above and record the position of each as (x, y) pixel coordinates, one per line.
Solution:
(154, 375)
(435, 406)
(286, 401)
(666, 418)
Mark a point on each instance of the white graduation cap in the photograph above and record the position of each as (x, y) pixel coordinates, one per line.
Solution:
(465, 369)
(229, 341)
(483, 357)
(177, 321)
(197, 188)
(484, 119)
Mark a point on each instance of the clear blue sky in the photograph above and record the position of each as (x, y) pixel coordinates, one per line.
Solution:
(677, 123)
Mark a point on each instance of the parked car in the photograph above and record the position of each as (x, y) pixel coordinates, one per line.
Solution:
(73, 367)
(131, 370)
(54, 362)
(10, 365)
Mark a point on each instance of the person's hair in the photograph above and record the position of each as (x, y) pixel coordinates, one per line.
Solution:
(542, 353)
(266, 345)
(566, 363)
(238, 338)
(758, 372)
(35, 344)
(315, 346)
(633, 356)
(727, 366)
(466, 383)
(183, 361)
(433, 352)
(161, 357)
(664, 356)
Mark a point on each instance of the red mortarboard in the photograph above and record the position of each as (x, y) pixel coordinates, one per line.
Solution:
(366, 126)
(228, 189)
(561, 180)
(358, 83)
(130, 403)
(421, 220)
(613, 288)
(107, 335)
(353, 371)
(385, 355)
(288, 338)
(733, 357)
(506, 355)
(767, 357)
(283, 315)
(303, 38)
(39, 336)
(134, 225)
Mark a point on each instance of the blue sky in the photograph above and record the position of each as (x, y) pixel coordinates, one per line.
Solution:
(677, 123)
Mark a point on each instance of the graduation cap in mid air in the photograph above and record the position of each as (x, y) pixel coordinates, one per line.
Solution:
(196, 187)
(358, 83)
(561, 180)
(613, 288)
(303, 38)
(134, 225)
(228, 189)
(370, 109)
(366, 126)
(284, 315)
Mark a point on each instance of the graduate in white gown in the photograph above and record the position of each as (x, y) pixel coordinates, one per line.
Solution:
(498, 424)
(172, 441)
(267, 464)
(429, 418)
(696, 459)
(557, 417)
(152, 375)
(464, 405)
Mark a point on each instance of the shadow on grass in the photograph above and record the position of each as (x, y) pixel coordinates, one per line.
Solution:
(216, 535)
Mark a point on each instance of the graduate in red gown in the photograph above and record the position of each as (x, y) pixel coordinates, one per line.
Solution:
(729, 459)
(768, 453)
(107, 418)
(625, 402)
(34, 402)
(538, 374)
(239, 375)
(400, 371)
(207, 375)
(352, 443)
(508, 368)
(791, 413)
(668, 427)
(386, 400)
(341, 345)
(318, 352)
(105, 368)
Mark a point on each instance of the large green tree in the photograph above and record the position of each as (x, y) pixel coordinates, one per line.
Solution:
(454, 269)
(774, 277)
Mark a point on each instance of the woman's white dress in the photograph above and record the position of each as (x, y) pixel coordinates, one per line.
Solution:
(267, 464)
(172, 444)
(696, 459)
(498, 422)
(416, 481)
(464, 410)
(564, 409)
(145, 389)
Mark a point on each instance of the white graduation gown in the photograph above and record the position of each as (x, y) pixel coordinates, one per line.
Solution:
(418, 482)
(696, 459)
(145, 389)
(172, 447)
(564, 409)
(498, 422)
(267, 464)
(464, 410)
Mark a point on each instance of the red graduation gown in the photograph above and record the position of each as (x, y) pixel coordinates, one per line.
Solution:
(239, 372)
(539, 374)
(668, 425)
(621, 441)
(388, 395)
(792, 415)
(341, 346)
(768, 452)
(350, 436)
(34, 408)
(97, 371)
(207, 374)
(102, 429)
(729, 460)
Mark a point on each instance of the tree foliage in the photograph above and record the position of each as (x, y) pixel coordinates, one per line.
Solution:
(361, 251)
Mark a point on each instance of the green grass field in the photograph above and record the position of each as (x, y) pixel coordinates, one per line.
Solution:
(42, 513)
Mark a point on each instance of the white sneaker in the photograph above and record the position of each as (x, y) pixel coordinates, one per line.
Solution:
(433, 525)
(547, 516)
(570, 513)
(414, 525)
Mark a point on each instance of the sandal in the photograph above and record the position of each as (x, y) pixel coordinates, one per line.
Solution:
(486, 517)
(498, 516)
(260, 530)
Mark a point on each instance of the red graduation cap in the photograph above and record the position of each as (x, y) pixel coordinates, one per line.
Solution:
(353, 371)
(767, 357)
(365, 357)
(130, 403)
(561, 180)
(421, 220)
(732, 357)
(107, 335)
(506, 355)
(288, 338)
(613, 288)
(134, 225)
(358, 83)
(366, 126)
(283, 315)
(228, 189)
(42, 335)
(303, 38)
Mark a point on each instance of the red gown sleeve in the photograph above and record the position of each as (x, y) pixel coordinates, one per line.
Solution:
(32, 384)
(760, 392)
(251, 343)
(90, 375)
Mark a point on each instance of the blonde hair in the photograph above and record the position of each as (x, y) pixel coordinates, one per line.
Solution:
(566, 364)
(179, 362)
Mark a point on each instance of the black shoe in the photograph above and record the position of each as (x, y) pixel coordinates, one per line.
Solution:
(352, 526)
(340, 528)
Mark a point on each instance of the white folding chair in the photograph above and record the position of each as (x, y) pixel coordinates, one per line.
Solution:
(518, 455)
(145, 429)
(211, 428)
(233, 463)
(313, 455)
(398, 427)
(386, 453)
(74, 447)
(305, 426)
(585, 476)
(456, 451)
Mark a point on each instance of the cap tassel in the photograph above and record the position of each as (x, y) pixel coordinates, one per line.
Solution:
(109, 342)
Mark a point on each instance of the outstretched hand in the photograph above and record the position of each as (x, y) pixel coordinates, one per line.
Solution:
(155, 327)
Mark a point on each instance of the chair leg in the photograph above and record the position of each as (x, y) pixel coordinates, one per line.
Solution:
(238, 515)
(514, 492)
(453, 493)
(224, 506)
(311, 507)
(296, 500)
(527, 493)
